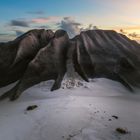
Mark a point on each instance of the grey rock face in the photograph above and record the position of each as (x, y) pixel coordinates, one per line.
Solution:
(15, 55)
(103, 53)
(41, 55)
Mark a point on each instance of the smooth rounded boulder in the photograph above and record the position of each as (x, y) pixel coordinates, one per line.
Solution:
(15, 55)
(49, 63)
(92, 54)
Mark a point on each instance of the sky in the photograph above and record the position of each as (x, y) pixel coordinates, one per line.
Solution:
(19, 16)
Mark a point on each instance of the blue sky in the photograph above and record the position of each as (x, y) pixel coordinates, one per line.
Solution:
(22, 15)
(16, 9)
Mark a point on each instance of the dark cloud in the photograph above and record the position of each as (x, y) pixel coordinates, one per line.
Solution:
(66, 18)
(134, 35)
(36, 12)
(19, 33)
(3, 34)
(123, 32)
(43, 27)
(131, 35)
(71, 26)
(20, 23)
(5, 37)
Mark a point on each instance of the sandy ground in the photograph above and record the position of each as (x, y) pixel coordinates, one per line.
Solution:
(80, 113)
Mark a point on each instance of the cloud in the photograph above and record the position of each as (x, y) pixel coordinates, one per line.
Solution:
(36, 12)
(42, 27)
(45, 27)
(21, 23)
(3, 34)
(4, 37)
(131, 27)
(42, 20)
(19, 32)
(89, 27)
(131, 35)
(71, 26)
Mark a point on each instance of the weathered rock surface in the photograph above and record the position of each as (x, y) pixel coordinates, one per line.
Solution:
(106, 53)
(15, 55)
(41, 55)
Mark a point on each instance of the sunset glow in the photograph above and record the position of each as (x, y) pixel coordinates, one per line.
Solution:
(105, 14)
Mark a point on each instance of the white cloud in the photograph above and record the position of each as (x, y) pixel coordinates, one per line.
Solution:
(71, 26)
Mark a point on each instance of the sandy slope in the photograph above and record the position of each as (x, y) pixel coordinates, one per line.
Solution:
(83, 113)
